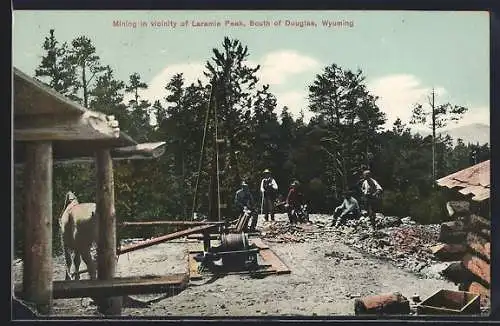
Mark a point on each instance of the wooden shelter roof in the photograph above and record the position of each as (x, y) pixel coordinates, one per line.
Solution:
(40, 113)
(474, 180)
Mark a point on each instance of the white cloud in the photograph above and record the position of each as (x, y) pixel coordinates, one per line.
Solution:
(478, 114)
(398, 94)
(156, 86)
(278, 66)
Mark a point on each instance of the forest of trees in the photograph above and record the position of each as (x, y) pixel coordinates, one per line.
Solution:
(326, 154)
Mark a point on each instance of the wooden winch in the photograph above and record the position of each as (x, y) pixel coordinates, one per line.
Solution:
(234, 251)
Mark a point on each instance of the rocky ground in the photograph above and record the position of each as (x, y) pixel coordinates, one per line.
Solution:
(330, 267)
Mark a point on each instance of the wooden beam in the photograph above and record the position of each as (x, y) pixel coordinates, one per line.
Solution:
(164, 238)
(88, 125)
(38, 265)
(181, 223)
(106, 216)
(117, 286)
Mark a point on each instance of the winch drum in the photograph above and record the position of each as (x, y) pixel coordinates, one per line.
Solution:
(234, 242)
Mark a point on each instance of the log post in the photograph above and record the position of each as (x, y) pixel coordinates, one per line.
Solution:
(106, 246)
(38, 268)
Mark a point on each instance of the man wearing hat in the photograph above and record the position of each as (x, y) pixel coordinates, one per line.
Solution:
(269, 190)
(293, 201)
(243, 198)
(371, 191)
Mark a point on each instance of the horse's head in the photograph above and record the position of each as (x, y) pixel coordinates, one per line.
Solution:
(70, 198)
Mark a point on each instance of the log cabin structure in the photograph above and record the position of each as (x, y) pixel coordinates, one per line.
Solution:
(48, 129)
(470, 229)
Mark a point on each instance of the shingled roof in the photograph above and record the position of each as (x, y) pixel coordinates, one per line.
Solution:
(474, 180)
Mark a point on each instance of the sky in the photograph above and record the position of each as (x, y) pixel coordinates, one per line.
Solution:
(402, 54)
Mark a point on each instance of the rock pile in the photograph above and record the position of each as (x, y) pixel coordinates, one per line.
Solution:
(400, 240)
(284, 232)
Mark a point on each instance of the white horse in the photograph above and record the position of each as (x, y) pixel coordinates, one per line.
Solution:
(79, 230)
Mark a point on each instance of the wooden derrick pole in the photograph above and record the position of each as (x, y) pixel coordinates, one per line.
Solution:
(106, 216)
(38, 264)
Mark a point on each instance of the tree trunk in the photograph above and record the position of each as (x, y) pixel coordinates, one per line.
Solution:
(84, 85)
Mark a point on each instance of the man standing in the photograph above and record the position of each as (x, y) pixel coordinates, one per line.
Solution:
(372, 192)
(293, 202)
(348, 209)
(244, 199)
(269, 190)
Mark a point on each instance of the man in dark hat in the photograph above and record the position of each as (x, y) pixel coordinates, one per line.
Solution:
(347, 210)
(244, 199)
(269, 191)
(293, 201)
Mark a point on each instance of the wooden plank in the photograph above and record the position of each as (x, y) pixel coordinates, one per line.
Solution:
(164, 238)
(38, 264)
(194, 275)
(259, 243)
(270, 257)
(478, 267)
(116, 287)
(106, 244)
